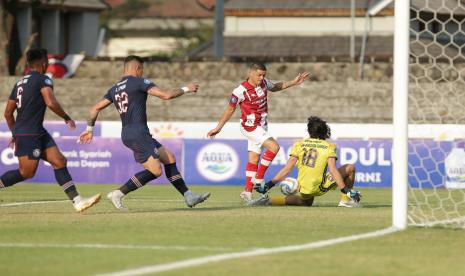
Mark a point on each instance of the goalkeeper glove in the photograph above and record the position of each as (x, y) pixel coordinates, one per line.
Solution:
(263, 189)
(353, 194)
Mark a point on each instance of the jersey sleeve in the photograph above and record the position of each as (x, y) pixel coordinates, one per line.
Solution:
(146, 84)
(108, 96)
(46, 82)
(295, 150)
(332, 151)
(13, 94)
(237, 96)
(269, 84)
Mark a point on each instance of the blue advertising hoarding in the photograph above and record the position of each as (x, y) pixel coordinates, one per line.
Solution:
(223, 162)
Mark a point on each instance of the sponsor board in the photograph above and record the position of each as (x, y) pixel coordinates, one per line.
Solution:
(223, 162)
(105, 160)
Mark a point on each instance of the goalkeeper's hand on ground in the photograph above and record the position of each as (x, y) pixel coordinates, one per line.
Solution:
(353, 194)
(263, 189)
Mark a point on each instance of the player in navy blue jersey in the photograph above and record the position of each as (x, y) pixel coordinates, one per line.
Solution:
(129, 96)
(30, 98)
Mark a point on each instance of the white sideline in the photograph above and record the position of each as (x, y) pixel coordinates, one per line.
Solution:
(255, 252)
(31, 202)
(113, 246)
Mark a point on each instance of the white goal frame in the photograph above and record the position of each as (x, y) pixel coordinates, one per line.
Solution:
(400, 114)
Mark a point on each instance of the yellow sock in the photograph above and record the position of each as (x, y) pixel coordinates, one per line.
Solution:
(278, 200)
(345, 197)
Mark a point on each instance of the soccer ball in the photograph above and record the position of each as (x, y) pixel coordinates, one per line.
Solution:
(289, 186)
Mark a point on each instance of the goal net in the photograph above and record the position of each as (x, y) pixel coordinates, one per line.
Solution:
(436, 169)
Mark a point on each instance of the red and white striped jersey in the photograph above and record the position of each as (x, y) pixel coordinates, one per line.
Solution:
(253, 103)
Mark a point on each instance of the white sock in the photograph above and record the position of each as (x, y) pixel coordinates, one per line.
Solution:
(188, 193)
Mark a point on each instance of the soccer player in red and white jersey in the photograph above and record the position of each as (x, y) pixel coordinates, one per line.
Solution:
(251, 95)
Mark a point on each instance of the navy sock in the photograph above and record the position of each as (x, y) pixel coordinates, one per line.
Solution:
(175, 178)
(10, 178)
(66, 182)
(136, 181)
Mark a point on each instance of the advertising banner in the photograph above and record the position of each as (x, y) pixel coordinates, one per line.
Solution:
(223, 162)
(105, 160)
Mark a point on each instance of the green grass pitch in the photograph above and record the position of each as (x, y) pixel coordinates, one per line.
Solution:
(38, 239)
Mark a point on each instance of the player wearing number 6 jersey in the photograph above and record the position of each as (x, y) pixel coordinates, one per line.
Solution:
(251, 95)
(129, 96)
(313, 156)
(30, 98)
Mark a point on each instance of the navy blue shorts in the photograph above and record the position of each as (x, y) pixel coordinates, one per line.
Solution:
(138, 138)
(33, 145)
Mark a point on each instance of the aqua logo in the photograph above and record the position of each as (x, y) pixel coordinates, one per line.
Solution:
(217, 162)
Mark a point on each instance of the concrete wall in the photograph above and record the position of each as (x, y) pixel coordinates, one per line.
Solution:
(308, 26)
(201, 71)
(337, 102)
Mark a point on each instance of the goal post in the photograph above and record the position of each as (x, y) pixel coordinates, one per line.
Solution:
(428, 170)
(400, 114)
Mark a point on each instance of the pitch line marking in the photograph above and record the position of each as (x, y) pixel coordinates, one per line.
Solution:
(31, 202)
(113, 246)
(251, 253)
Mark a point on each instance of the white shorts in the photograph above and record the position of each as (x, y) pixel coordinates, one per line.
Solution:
(256, 138)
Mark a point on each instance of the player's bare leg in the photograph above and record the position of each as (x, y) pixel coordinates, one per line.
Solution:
(176, 179)
(64, 179)
(250, 172)
(272, 148)
(348, 175)
(27, 169)
(290, 200)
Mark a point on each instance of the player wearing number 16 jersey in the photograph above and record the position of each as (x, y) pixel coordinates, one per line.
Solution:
(252, 96)
(129, 96)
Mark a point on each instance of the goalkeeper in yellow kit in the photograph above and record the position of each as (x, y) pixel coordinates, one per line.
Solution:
(313, 156)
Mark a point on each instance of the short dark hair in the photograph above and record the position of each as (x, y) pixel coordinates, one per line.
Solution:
(35, 55)
(317, 128)
(257, 66)
(133, 58)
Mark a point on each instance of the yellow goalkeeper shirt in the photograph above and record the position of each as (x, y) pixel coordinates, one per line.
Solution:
(312, 155)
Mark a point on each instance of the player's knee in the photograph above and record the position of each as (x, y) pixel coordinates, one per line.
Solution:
(275, 148)
(27, 173)
(59, 162)
(350, 169)
(157, 172)
(171, 157)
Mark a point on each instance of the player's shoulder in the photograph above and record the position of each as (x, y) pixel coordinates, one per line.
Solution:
(240, 89)
(40, 79)
(299, 143)
(47, 80)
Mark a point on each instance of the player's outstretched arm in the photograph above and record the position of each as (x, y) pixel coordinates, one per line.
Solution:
(87, 135)
(301, 77)
(54, 105)
(166, 94)
(227, 114)
(283, 173)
